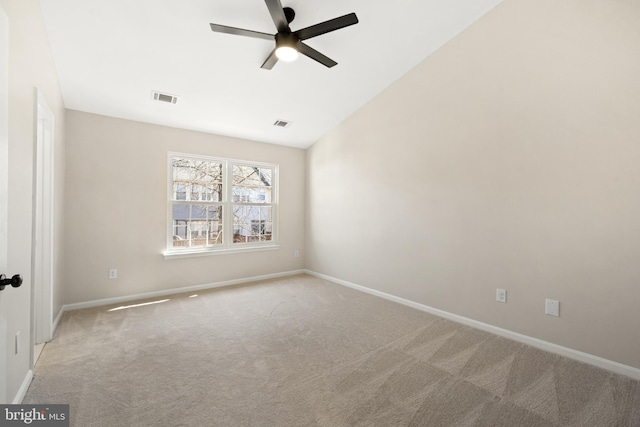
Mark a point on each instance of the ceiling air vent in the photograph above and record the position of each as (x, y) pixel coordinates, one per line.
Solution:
(164, 97)
(282, 123)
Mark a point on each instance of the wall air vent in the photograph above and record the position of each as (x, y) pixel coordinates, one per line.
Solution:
(164, 97)
(281, 123)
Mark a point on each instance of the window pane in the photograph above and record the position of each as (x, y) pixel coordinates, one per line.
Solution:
(252, 223)
(179, 191)
(252, 184)
(197, 225)
(198, 180)
(196, 192)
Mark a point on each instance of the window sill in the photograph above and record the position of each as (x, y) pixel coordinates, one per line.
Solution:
(189, 253)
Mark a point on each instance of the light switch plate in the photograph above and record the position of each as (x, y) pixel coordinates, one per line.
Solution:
(552, 307)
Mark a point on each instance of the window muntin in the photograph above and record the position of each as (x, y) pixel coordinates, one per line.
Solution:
(206, 193)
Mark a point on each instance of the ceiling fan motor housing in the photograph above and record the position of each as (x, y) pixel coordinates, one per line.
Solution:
(289, 14)
(287, 40)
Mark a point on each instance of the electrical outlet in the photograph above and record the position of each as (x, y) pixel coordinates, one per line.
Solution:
(552, 307)
(501, 295)
(113, 273)
(296, 253)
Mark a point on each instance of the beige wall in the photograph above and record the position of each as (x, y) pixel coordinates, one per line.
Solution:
(507, 159)
(117, 209)
(30, 66)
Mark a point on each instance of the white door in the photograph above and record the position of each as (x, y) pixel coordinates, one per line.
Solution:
(4, 188)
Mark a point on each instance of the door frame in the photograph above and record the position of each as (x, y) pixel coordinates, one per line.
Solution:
(42, 253)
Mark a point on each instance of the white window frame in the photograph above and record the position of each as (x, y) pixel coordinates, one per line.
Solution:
(227, 246)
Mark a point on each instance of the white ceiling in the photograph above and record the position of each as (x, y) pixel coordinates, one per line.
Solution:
(110, 56)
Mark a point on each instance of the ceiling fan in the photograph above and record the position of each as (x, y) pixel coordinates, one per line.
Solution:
(289, 43)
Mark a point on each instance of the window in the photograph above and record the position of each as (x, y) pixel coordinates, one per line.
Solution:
(220, 205)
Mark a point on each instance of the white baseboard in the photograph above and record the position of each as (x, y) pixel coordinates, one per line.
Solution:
(56, 321)
(580, 356)
(22, 391)
(149, 295)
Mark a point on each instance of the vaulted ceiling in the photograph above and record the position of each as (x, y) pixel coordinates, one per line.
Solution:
(111, 55)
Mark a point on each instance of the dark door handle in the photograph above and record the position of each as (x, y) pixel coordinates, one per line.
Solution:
(15, 281)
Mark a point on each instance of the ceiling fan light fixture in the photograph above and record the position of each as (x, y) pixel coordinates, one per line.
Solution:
(286, 47)
(286, 53)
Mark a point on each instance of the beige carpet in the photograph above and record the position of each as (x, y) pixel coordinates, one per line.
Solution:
(300, 351)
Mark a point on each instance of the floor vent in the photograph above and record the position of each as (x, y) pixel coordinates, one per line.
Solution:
(164, 97)
(281, 123)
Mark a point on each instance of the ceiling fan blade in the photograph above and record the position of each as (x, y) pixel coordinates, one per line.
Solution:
(241, 32)
(315, 55)
(270, 61)
(327, 26)
(277, 14)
